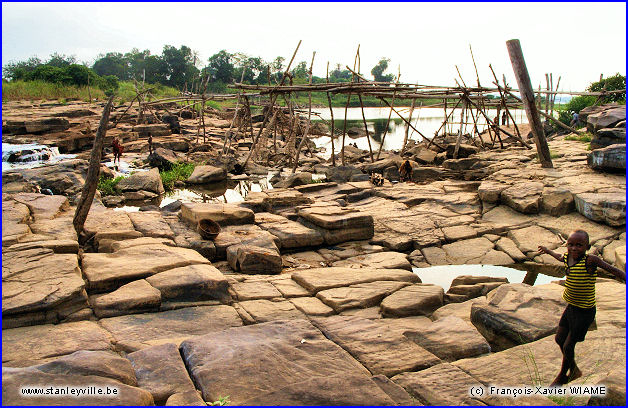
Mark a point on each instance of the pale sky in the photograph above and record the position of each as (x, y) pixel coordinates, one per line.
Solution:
(577, 41)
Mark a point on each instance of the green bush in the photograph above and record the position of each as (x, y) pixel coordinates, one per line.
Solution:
(586, 137)
(180, 171)
(109, 186)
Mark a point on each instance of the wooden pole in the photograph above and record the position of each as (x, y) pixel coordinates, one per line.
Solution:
(527, 96)
(392, 103)
(331, 111)
(309, 121)
(366, 129)
(405, 137)
(91, 182)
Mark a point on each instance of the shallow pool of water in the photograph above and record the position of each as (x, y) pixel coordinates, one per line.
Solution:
(443, 275)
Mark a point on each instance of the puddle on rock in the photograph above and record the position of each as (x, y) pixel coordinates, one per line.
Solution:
(443, 275)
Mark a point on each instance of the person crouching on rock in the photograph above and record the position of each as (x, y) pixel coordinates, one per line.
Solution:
(117, 150)
(405, 171)
(580, 271)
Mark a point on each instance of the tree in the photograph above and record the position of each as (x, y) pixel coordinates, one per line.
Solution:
(220, 68)
(616, 82)
(301, 71)
(180, 65)
(379, 69)
(339, 74)
(61, 60)
(112, 63)
(16, 71)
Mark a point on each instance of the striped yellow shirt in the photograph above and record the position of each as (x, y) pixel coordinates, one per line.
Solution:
(580, 284)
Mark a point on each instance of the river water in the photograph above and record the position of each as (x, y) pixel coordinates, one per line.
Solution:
(425, 120)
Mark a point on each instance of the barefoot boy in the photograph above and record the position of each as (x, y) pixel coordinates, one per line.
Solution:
(580, 270)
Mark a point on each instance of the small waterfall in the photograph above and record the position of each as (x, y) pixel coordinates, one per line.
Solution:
(20, 156)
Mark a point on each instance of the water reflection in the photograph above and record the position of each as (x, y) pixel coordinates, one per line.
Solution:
(228, 191)
(443, 275)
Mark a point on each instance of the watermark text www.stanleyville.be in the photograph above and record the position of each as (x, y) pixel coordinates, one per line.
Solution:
(526, 391)
(71, 391)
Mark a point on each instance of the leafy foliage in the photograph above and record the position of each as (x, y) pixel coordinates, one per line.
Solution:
(178, 172)
(109, 186)
(614, 83)
(379, 69)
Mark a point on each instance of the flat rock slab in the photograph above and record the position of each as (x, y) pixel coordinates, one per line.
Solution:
(135, 332)
(312, 306)
(339, 389)
(13, 379)
(334, 217)
(374, 345)
(459, 232)
(193, 282)
(291, 234)
(223, 214)
(349, 250)
(601, 357)
(450, 339)
(378, 260)
(413, 300)
(232, 235)
(317, 279)
(468, 251)
(443, 384)
(289, 288)
(43, 206)
(265, 311)
(106, 364)
(109, 271)
(528, 239)
(251, 290)
(151, 224)
(111, 224)
(523, 197)
(135, 297)
(517, 313)
(292, 353)
(361, 295)
(160, 371)
(39, 280)
(25, 346)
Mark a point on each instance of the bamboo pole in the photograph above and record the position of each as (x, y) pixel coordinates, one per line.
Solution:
(307, 125)
(503, 99)
(331, 111)
(407, 130)
(366, 129)
(527, 96)
(93, 172)
(273, 97)
(392, 103)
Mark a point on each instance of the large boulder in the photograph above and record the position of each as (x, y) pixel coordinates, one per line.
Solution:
(254, 259)
(223, 214)
(135, 297)
(608, 136)
(609, 159)
(163, 159)
(607, 118)
(294, 180)
(341, 174)
(143, 181)
(523, 197)
(517, 313)
(609, 208)
(207, 174)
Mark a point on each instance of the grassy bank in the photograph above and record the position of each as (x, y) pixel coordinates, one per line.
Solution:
(40, 90)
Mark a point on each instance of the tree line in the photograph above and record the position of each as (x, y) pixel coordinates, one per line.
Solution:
(176, 67)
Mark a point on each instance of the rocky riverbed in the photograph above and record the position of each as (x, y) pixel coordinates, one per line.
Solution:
(307, 296)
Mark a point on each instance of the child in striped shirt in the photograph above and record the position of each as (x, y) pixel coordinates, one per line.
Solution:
(580, 271)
